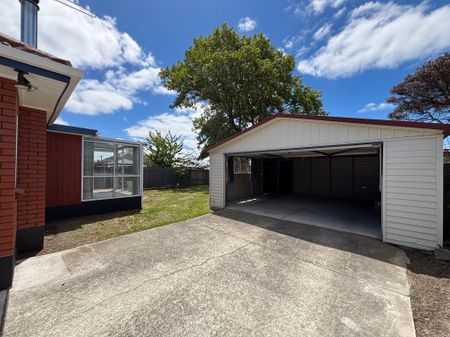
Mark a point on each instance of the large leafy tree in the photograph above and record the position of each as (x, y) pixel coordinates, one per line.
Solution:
(163, 151)
(167, 151)
(425, 95)
(240, 80)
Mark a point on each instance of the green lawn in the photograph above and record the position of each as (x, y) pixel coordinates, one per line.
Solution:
(161, 207)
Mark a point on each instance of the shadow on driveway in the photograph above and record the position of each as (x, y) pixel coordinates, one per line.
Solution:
(343, 241)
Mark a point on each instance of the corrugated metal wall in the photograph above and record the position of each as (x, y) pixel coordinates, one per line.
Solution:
(158, 177)
(301, 182)
(344, 177)
(366, 185)
(320, 176)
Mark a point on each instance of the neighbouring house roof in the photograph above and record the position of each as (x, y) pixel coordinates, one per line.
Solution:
(445, 128)
(72, 129)
(13, 43)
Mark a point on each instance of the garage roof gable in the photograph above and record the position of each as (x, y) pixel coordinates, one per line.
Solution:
(444, 128)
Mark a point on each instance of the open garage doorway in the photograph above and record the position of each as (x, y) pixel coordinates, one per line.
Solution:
(334, 187)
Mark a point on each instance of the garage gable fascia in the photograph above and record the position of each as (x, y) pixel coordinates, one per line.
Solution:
(414, 127)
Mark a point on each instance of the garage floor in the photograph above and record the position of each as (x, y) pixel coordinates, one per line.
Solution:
(329, 213)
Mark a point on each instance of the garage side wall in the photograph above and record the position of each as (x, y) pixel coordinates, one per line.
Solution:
(413, 192)
(217, 180)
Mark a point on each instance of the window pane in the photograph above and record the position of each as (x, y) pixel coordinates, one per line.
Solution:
(106, 163)
(88, 160)
(88, 188)
(103, 159)
(237, 165)
(127, 186)
(103, 188)
(243, 165)
(127, 159)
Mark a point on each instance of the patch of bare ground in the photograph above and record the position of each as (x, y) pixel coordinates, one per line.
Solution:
(430, 293)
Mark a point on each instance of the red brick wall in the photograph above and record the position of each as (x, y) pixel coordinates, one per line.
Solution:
(31, 168)
(8, 109)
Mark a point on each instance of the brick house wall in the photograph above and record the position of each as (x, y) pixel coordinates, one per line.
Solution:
(23, 149)
(31, 176)
(8, 211)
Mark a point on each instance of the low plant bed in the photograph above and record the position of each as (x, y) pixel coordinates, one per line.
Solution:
(161, 207)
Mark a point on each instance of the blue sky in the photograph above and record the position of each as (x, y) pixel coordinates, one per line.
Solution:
(353, 51)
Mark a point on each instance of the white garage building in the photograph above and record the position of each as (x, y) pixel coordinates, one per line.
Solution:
(373, 177)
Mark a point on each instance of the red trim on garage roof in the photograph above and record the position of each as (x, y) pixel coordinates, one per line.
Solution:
(13, 43)
(445, 128)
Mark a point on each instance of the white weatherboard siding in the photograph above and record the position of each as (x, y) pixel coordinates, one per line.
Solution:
(217, 180)
(286, 133)
(413, 183)
(412, 192)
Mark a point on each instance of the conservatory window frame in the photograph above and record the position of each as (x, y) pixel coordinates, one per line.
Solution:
(114, 175)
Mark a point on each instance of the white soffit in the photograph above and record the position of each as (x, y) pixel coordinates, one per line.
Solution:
(51, 94)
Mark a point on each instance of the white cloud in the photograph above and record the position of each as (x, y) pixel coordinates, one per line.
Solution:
(340, 12)
(88, 42)
(117, 91)
(179, 123)
(290, 41)
(93, 97)
(318, 6)
(91, 43)
(370, 107)
(61, 121)
(381, 35)
(246, 24)
(322, 31)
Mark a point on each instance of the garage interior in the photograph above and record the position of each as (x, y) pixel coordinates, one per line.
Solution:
(332, 187)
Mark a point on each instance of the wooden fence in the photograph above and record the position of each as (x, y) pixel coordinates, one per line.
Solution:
(167, 177)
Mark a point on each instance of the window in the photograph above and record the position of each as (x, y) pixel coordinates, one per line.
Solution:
(241, 165)
(111, 169)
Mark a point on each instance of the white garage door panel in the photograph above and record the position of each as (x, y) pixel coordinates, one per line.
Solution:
(412, 203)
(412, 179)
(430, 209)
(427, 218)
(411, 240)
(412, 228)
(216, 180)
(421, 159)
(407, 184)
(412, 192)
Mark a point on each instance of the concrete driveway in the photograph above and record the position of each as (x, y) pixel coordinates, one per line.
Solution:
(227, 274)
